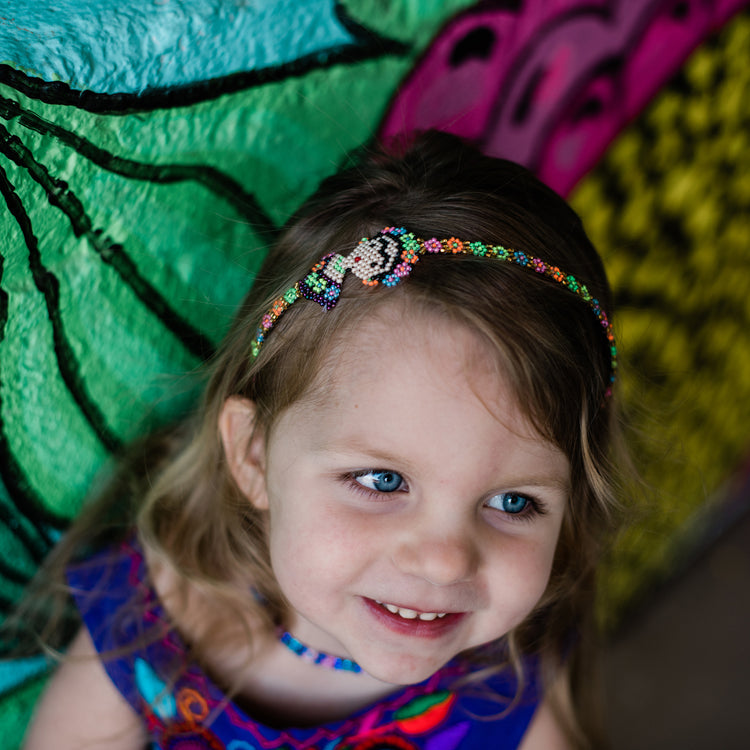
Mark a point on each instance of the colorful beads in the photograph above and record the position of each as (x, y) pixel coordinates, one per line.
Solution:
(478, 248)
(389, 257)
(410, 254)
(331, 294)
(315, 282)
(291, 294)
(317, 657)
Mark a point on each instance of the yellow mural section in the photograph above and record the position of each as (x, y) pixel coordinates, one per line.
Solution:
(669, 207)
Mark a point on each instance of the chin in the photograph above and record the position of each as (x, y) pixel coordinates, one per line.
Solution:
(401, 671)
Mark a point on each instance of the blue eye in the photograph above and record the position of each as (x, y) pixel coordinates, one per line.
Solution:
(380, 481)
(510, 502)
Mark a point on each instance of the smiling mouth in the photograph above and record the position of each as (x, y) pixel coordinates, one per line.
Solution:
(412, 622)
(411, 614)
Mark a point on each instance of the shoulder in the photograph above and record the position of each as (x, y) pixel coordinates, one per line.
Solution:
(545, 731)
(82, 708)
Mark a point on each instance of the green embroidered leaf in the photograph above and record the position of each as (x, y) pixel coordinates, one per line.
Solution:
(421, 705)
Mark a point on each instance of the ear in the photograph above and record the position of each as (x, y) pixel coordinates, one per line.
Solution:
(244, 448)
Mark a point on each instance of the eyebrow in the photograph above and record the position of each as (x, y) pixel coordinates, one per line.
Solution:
(371, 452)
(383, 458)
(550, 482)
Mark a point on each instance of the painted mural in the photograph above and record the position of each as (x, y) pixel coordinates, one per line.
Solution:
(149, 154)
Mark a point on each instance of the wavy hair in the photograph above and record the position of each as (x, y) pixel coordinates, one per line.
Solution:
(550, 347)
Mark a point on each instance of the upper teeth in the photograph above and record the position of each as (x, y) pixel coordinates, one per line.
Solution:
(411, 614)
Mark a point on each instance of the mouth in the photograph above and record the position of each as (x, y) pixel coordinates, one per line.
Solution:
(413, 622)
(411, 614)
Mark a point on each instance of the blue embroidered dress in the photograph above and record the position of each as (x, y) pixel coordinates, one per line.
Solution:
(119, 607)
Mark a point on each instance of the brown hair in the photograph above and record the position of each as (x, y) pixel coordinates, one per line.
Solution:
(548, 343)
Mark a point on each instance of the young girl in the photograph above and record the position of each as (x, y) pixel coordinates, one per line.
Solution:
(380, 530)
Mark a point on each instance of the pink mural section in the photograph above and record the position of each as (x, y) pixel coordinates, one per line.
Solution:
(550, 83)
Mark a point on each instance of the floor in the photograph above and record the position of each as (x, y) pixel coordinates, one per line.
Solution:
(678, 676)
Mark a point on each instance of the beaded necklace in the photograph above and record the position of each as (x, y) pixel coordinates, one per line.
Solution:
(309, 654)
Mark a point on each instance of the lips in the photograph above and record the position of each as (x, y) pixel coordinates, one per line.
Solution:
(413, 622)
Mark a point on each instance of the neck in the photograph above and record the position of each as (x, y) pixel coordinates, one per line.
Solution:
(280, 689)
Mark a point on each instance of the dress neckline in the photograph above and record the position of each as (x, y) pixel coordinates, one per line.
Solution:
(359, 721)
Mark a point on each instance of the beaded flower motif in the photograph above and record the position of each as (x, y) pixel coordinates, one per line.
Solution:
(389, 257)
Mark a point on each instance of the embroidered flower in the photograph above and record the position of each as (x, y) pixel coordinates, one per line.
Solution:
(520, 258)
(380, 742)
(557, 274)
(278, 307)
(433, 245)
(192, 705)
(538, 265)
(572, 283)
(391, 279)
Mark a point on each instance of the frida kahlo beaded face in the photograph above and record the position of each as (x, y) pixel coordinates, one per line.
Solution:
(413, 512)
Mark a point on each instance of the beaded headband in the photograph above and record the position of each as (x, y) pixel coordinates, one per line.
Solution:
(389, 257)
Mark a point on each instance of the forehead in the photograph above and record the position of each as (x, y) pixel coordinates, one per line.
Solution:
(413, 381)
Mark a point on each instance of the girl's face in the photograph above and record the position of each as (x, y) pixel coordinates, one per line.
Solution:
(413, 512)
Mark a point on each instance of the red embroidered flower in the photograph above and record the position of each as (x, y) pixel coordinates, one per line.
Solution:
(189, 736)
(384, 742)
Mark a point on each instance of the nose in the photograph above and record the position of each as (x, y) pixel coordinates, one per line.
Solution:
(440, 557)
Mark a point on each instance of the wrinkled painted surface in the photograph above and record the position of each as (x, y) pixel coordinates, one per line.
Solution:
(149, 152)
(551, 84)
(112, 47)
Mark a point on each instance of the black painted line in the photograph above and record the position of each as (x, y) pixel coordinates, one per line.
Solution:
(7, 605)
(3, 299)
(214, 180)
(368, 45)
(26, 502)
(12, 574)
(48, 285)
(17, 486)
(60, 195)
(37, 544)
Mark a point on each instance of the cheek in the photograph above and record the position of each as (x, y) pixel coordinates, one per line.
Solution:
(314, 550)
(524, 571)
